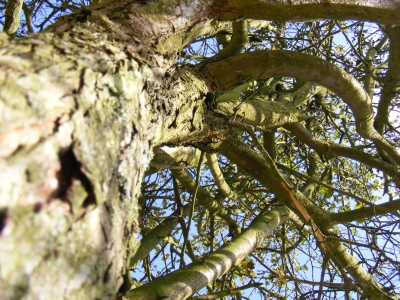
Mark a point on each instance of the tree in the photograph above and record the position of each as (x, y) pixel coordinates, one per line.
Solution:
(295, 130)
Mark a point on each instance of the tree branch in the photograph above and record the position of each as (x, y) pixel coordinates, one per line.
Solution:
(323, 147)
(238, 41)
(184, 282)
(384, 11)
(366, 212)
(28, 17)
(233, 291)
(311, 179)
(239, 69)
(151, 239)
(13, 12)
(251, 162)
(219, 177)
(204, 199)
(391, 86)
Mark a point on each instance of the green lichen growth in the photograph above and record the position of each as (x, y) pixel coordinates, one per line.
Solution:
(170, 44)
(159, 7)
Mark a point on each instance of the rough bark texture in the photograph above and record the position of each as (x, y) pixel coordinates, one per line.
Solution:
(75, 139)
(80, 110)
(13, 10)
(81, 107)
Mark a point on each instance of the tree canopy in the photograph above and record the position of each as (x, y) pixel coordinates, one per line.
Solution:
(276, 174)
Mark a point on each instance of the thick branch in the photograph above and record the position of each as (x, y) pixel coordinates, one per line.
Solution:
(13, 11)
(151, 239)
(251, 162)
(260, 113)
(391, 85)
(242, 68)
(237, 43)
(383, 11)
(175, 157)
(184, 282)
(269, 143)
(219, 177)
(28, 17)
(248, 160)
(372, 289)
(366, 212)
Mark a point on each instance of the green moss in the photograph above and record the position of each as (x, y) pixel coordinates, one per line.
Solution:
(171, 43)
(77, 196)
(161, 7)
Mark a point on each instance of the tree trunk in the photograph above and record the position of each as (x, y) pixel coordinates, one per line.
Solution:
(80, 110)
(75, 141)
(81, 107)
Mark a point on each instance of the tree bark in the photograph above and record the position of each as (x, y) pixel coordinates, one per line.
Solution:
(80, 110)
(81, 107)
(75, 140)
